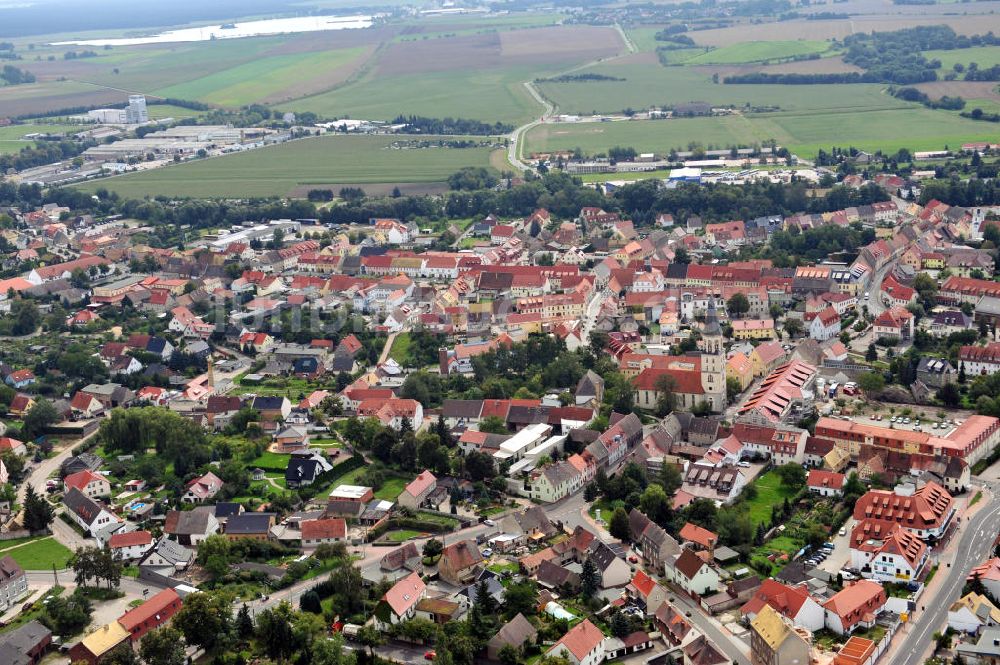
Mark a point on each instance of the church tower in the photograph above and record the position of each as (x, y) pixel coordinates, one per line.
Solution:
(713, 360)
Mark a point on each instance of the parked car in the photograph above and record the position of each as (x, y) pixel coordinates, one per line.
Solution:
(489, 522)
(487, 553)
(843, 531)
(430, 655)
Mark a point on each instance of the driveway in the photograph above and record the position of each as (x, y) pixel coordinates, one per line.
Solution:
(840, 558)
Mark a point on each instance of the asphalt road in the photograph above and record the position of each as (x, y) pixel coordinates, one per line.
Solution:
(973, 546)
(735, 648)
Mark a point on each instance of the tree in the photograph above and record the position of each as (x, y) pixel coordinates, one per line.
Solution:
(311, 602)
(205, 620)
(793, 327)
(433, 548)
(162, 647)
(871, 355)
(493, 425)
(244, 623)
(853, 489)
(521, 598)
(949, 395)
(871, 383)
(38, 513)
(618, 526)
(656, 504)
(123, 654)
(666, 400)
(509, 654)
(737, 305)
(589, 579)
(371, 637)
(38, 418)
(331, 651)
(620, 625)
(792, 475)
(274, 631)
(733, 388)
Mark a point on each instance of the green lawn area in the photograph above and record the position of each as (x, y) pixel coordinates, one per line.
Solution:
(439, 519)
(350, 478)
(280, 169)
(12, 137)
(158, 111)
(271, 460)
(391, 488)
(748, 52)
(400, 351)
(504, 567)
(770, 492)
(402, 535)
(7, 544)
(41, 554)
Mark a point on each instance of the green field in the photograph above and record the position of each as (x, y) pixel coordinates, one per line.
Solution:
(391, 488)
(770, 492)
(258, 79)
(485, 94)
(277, 170)
(802, 133)
(159, 111)
(653, 84)
(41, 554)
(748, 52)
(12, 137)
(984, 56)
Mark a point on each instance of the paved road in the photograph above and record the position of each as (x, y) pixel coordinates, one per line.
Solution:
(735, 648)
(974, 546)
(517, 136)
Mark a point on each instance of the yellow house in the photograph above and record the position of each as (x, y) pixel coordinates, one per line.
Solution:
(740, 368)
(766, 357)
(836, 459)
(753, 329)
(933, 261)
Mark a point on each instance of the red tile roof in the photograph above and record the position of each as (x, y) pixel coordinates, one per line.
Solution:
(130, 539)
(581, 639)
(324, 528)
(155, 607)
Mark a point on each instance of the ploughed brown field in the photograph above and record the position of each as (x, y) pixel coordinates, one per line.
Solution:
(964, 89)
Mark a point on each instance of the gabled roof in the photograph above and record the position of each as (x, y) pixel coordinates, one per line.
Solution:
(405, 594)
(582, 639)
(153, 608)
(698, 535)
(688, 563)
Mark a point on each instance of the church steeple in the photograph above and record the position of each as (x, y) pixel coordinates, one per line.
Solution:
(711, 332)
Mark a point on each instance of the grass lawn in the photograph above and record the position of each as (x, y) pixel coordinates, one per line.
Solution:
(758, 52)
(278, 170)
(268, 459)
(7, 544)
(391, 488)
(351, 478)
(984, 56)
(34, 612)
(41, 554)
(402, 535)
(158, 111)
(770, 492)
(400, 351)
(439, 519)
(504, 567)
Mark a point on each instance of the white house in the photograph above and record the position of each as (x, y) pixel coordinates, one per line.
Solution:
(581, 645)
(693, 575)
(887, 553)
(400, 602)
(825, 483)
(131, 545)
(792, 602)
(94, 518)
(972, 613)
(826, 325)
(417, 491)
(554, 482)
(93, 485)
(13, 583)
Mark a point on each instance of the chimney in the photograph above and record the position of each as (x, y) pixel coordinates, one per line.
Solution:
(211, 373)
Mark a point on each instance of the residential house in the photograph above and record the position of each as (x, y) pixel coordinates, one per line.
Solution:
(252, 526)
(202, 489)
(96, 520)
(96, 646)
(26, 644)
(460, 563)
(887, 552)
(793, 602)
(691, 573)
(583, 644)
(516, 633)
(416, 491)
(93, 485)
(13, 446)
(130, 545)
(400, 602)
(826, 325)
(972, 613)
(13, 583)
(190, 527)
(856, 606)
(825, 483)
(152, 614)
(323, 531)
(775, 641)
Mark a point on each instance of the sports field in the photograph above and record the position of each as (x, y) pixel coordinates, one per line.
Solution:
(278, 170)
(804, 133)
